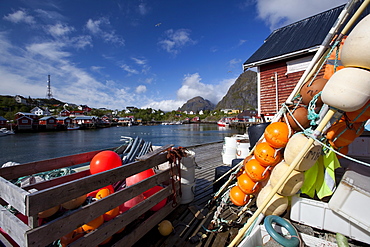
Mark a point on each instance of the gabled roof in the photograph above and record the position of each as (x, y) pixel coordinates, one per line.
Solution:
(3, 119)
(300, 36)
(46, 118)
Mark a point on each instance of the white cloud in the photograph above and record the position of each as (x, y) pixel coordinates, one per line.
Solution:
(165, 105)
(278, 13)
(20, 16)
(192, 87)
(128, 69)
(176, 40)
(234, 61)
(143, 9)
(101, 28)
(139, 61)
(59, 29)
(140, 89)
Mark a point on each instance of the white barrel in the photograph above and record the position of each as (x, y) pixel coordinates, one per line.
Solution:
(187, 191)
(242, 150)
(187, 166)
(347, 89)
(355, 51)
(230, 145)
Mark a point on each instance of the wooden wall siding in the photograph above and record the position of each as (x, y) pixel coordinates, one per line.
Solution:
(286, 84)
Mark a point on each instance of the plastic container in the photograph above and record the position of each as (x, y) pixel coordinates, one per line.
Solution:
(255, 132)
(259, 237)
(187, 166)
(318, 215)
(352, 197)
(187, 193)
(242, 150)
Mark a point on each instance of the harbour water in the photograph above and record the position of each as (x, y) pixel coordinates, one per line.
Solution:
(28, 147)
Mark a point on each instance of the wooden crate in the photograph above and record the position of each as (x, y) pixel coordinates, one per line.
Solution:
(38, 197)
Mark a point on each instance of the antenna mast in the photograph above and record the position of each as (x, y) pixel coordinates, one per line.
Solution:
(49, 95)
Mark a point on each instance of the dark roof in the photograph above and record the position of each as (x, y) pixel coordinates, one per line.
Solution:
(304, 34)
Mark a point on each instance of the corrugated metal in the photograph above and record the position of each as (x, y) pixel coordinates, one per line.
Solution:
(301, 35)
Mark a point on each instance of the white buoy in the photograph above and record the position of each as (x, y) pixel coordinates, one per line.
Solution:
(347, 89)
(355, 51)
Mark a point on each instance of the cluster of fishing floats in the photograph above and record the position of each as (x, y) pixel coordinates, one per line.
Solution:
(347, 91)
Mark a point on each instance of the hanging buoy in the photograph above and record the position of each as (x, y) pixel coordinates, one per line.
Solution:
(348, 89)
(266, 155)
(300, 114)
(238, 197)
(361, 115)
(276, 206)
(247, 185)
(291, 185)
(355, 52)
(256, 171)
(277, 134)
(309, 90)
(74, 203)
(340, 134)
(295, 145)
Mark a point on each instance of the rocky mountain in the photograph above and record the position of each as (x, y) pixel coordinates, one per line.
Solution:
(242, 94)
(196, 104)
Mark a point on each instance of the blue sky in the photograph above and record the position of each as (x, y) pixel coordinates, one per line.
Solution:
(118, 53)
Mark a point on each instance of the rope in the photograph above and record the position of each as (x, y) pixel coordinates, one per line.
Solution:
(328, 147)
(312, 115)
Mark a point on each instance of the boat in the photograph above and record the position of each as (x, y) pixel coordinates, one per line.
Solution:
(73, 127)
(5, 131)
(224, 122)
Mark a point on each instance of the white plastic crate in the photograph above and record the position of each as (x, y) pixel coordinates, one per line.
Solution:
(352, 197)
(259, 237)
(318, 215)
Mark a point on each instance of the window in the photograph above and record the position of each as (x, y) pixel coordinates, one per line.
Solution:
(298, 64)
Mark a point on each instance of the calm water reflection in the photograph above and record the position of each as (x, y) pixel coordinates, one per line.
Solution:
(27, 147)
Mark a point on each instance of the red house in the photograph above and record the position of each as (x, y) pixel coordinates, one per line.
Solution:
(284, 56)
(3, 121)
(49, 123)
(64, 113)
(24, 123)
(64, 121)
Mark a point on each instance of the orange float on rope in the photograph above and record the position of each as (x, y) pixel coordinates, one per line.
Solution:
(340, 134)
(361, 115)
(300, 114)
(342, 150)
(238, 197)
(256, 171)
(266, 155)
(277, 134)
(309, 90)
(247, 185)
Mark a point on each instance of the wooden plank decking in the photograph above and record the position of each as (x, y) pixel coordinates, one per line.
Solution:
(187, 227)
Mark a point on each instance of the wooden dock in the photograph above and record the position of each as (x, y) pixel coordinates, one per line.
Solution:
(188, 226)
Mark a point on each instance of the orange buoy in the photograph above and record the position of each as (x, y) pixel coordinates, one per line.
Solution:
(361, 115)
(256, 171)
(49, 212)
(247, 185)
(74, 203)
(342, 150)
(300, 114)
(266, 155)
(277, 134)
(340, 134)
(70, 237)
(238, 197)
(309, 90)
(92, 225)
